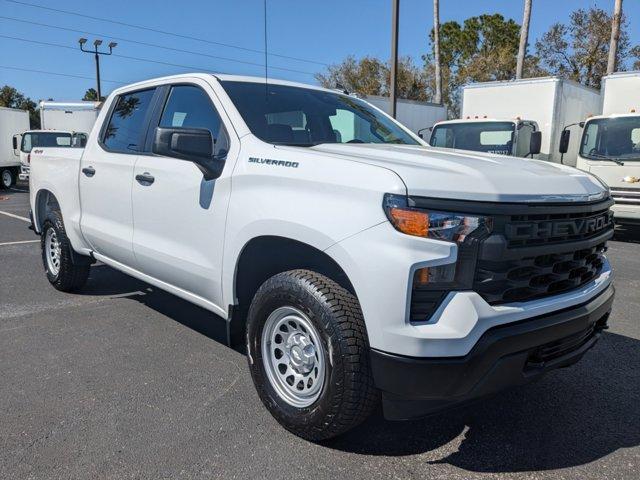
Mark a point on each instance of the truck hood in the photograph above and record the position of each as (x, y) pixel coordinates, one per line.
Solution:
(618, 177)
(461, 174)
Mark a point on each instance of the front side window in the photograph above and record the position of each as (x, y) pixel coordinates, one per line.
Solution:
(490, 137)
(189, 106)
(617, 138)
(44, 139)
(128, 121)
(287, 115)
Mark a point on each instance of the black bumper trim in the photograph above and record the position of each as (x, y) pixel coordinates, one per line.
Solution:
(504, 356)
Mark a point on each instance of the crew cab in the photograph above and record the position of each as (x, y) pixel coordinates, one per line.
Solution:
(355, 262)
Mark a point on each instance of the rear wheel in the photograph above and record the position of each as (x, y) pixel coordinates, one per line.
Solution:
(57, 257)
(309, 354)
(7, 178)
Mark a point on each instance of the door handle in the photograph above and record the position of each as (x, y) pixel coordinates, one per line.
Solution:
(145, 179)
(89, 171)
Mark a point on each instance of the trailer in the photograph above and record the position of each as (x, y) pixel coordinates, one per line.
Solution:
(12, 122)
(549, 103)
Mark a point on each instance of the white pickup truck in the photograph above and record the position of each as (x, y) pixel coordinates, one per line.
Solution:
(355, 262)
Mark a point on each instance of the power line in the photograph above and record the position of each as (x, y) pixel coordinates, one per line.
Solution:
(30, 70)
(128, 57)
(147, 44)
(163, 32)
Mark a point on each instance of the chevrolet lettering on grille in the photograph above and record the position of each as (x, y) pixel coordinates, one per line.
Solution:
(558, 228)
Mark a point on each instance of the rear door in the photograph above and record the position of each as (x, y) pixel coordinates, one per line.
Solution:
(107, 174)
(178, 216)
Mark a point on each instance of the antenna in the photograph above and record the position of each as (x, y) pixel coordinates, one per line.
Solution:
(266, 56)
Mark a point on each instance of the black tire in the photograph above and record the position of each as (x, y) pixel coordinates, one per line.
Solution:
(348, 395)
(7, 173)
(70, 276)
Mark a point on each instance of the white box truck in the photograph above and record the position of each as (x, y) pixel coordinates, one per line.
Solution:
(417, 116)
(63, 124)
(610, 144)
(12, 121)
(68, 116)
(495, 113)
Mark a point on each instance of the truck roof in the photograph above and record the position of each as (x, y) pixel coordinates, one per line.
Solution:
(614, 115)
(80, 105)
(553, 79)
(484, 120)
(225, 78)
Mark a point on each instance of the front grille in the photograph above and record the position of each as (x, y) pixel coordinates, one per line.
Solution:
(537, 276)
(542, 250)
(552, 228)
(626, 196)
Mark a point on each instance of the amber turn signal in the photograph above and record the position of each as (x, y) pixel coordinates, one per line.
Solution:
(410, 222)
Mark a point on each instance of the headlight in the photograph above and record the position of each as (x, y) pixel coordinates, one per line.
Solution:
(439, 225)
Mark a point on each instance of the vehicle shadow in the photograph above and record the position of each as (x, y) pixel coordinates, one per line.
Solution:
(569, 418)
(627, 233)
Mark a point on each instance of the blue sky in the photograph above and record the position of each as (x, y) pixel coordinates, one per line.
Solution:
(323, 31)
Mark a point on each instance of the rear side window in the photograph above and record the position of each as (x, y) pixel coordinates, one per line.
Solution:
(189, 106)
(128, 121)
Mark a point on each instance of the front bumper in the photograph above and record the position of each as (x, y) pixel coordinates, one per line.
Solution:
(24, 172)
(506, 355)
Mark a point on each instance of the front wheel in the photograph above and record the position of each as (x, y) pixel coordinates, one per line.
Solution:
(309, 354)
(57, 257)
(7, 178)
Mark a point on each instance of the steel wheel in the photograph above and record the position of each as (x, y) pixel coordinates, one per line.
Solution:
(52, 251)
(293, 356)
(7, 178)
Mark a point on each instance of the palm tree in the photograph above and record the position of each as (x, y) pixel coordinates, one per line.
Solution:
(436, 50)
(615, 36)
(524, 37)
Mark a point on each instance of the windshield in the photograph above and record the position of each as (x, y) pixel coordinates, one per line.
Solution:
(489, 137)
(615, 138)
(44, 139)
(305, 117)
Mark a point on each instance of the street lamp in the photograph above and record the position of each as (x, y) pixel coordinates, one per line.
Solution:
(97, 53)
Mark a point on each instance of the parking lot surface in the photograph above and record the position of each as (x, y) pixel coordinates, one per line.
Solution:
(126, 381)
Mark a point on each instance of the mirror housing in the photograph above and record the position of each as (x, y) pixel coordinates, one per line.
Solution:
(564, 141)
(194, 145)
(535, 143)
(15, 142)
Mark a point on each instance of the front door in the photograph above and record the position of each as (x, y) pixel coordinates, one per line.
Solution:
(106, 177)
(179, 217)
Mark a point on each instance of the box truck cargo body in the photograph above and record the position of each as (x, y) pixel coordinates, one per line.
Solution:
(12, 122)
(550, 102)
(610, 144)
(413, 114)
(68, 116)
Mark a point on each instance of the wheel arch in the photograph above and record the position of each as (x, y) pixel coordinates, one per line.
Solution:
(265, 256)
(45, 202)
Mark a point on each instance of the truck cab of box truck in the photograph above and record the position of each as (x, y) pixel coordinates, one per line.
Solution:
(550, 102)
(610, 144)
(519, 138)
(12, 120)
(23, 144)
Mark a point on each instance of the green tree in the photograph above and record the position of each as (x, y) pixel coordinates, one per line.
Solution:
(371, 76)
(91, 95)
(579, 50)
(10, 97)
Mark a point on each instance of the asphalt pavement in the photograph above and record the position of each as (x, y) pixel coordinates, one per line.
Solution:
(126, 381)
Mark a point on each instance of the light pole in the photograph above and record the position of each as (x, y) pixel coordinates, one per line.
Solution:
(97, 53)
(393, 81)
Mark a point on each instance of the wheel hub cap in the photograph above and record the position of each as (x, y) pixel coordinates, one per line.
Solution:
(293, 356)
(52, 251)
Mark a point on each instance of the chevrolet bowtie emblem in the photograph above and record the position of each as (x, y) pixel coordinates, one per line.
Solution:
(630, 179)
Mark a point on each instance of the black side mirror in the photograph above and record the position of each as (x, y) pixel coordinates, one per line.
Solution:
(15, 142)
(564, 141)
(190, 144)
(535, 143)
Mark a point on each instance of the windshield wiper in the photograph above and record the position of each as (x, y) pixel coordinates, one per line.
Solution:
(604, 157)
